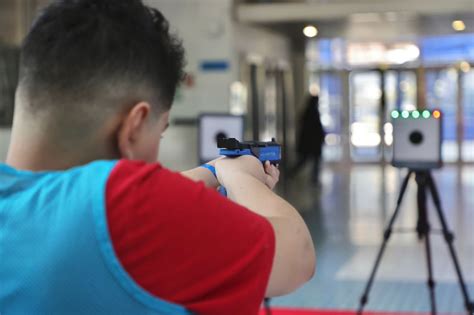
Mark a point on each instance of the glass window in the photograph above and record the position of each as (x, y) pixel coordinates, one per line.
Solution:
(468, 116)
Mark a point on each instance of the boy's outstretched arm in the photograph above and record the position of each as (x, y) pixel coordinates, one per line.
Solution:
(294, 262)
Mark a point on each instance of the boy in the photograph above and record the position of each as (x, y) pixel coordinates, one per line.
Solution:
(88, 223)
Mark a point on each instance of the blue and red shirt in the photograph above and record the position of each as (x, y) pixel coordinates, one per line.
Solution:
(127, 237)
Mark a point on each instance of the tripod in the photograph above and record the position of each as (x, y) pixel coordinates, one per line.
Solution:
(424, 182)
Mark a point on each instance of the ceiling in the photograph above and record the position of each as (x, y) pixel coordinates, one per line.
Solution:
(352, 19)
(359, 19)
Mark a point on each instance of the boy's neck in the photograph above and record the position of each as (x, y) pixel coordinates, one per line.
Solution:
(25, 157)
(35, 153)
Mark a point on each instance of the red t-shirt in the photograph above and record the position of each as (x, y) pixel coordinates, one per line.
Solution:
(185, 243)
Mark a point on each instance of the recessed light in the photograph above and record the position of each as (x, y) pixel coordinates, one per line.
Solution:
(310, 31)
(464, 66)
(458, 25)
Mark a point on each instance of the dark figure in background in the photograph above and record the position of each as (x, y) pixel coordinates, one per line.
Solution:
(311, 138)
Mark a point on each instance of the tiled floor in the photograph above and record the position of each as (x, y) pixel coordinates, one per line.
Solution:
(347, 216)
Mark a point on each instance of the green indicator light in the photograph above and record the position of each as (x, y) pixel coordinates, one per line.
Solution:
(426, 114)
(415, 114)
(395, 114)
(405, 114)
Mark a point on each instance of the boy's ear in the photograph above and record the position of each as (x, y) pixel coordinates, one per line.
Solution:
(131, 127)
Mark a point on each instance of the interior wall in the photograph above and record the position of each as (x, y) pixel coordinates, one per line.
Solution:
(205, 28)
(9, 36)
(263, 42)
(15, 19)
(209, 34)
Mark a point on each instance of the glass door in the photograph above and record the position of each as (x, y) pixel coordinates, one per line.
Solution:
(330, 108)
(468, 116)
(365, 116)
(400, 88)
(442, 93)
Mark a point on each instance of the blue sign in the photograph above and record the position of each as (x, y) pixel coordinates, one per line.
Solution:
(214, 65)
(447, 48)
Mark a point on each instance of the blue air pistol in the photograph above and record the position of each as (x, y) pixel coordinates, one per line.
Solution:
(264, 151)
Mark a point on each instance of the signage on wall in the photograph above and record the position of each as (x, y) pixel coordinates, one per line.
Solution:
(214, 65)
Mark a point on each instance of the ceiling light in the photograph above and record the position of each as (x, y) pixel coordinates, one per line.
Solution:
(402, 53)
(465, 66)
(310, 31)
(459, 25)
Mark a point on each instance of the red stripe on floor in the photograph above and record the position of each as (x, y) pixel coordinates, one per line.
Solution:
(288, 311)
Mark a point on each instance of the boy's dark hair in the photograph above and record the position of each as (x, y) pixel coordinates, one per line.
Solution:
(99, 52)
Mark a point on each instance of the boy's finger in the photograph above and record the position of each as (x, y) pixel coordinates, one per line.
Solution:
(277, 171)
(267, 166)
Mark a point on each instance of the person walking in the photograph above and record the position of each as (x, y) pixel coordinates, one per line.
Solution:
(311, 139)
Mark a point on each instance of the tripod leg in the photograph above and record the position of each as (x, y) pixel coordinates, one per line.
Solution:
(388, 231)
(423, 230)
(431, 282)
(449, 237)
(422, 224)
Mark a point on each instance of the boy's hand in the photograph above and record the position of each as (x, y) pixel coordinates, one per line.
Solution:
(248, 165)
(267, 174)
(273, 175)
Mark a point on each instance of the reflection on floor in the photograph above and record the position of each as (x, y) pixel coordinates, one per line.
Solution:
(347, 216)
